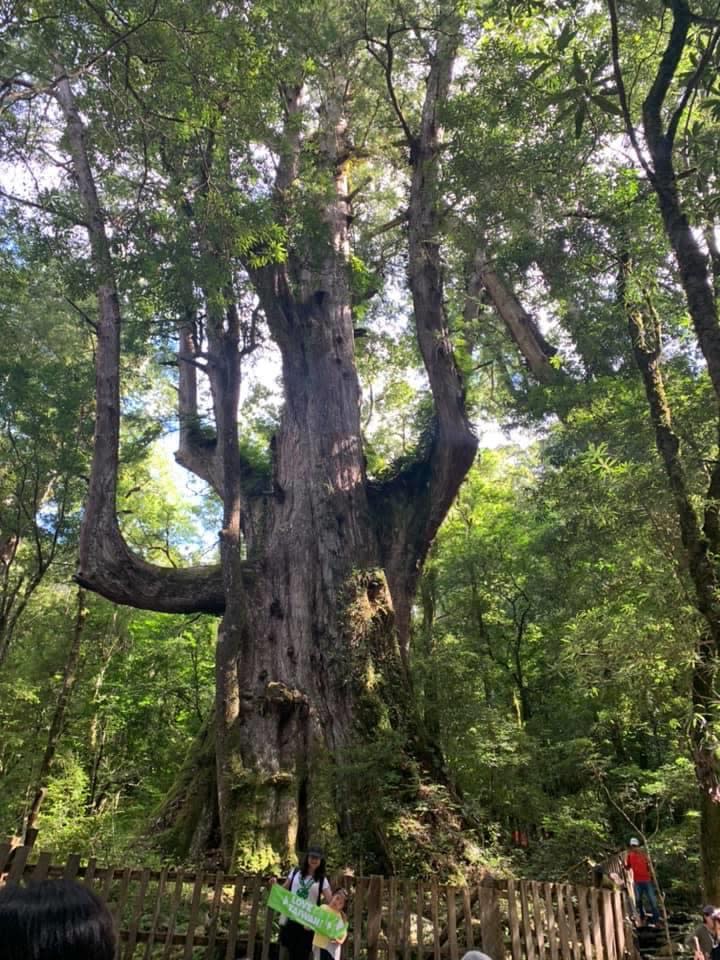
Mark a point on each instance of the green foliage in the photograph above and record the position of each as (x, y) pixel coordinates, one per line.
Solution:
(556, 626)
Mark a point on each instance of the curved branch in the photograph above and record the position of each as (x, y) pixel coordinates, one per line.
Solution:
(107, 565)
(418, 500)
(653, 103)
(387, 66)
(691, 259)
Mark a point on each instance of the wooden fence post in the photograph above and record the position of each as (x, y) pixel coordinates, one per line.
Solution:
(514, 920)
(374, 916)
(452, 923)
(491, 933)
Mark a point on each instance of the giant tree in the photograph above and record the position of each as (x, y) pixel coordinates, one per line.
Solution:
(216, 149)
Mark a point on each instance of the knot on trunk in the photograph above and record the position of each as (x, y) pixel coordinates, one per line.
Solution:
(283, 699)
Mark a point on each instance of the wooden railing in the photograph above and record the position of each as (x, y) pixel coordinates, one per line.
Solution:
(172, 913)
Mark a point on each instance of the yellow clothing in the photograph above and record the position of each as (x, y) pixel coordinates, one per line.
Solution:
(324, 942)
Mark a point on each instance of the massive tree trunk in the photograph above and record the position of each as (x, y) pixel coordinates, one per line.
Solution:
(318, 565)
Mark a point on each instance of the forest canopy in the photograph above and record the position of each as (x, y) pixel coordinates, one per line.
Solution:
(272, 275)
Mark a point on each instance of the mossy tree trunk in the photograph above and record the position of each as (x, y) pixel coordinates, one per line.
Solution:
(662, 117)
(318, 565)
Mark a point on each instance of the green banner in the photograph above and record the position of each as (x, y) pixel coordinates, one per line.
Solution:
(326, 922)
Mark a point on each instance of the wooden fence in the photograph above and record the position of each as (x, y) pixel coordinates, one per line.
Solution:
(173, 913)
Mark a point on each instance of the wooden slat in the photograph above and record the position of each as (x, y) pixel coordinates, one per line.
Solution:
(608, 924)
(527, 927)
(136, 914)
(17, 867)
(515, 942)
(407, 908)
(420, 919)
(392, 921)
(233, 922)
(254, 907)
(177, 895)
(267, 934)
(357, 917)
(491, 931)
(215, 912)
(467, 916)
(550, 922)
(159, 891)
(563, 926)
(584, 936)
(619, 919)
(193, 918)
(41, 868)
(571, 892)
(583, 914)
(538, 919)
(596, 924)
(119, 906)
(434, 916)
(72, 867)
(109, 876)
(374, 916)
(450, 893)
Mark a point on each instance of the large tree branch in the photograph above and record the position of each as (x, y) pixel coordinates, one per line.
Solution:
(107, 565)
(523, 329)
(645, 335)
(692, 261)
(196, 451)
(418, 500)
(271, 282)
(655, 100)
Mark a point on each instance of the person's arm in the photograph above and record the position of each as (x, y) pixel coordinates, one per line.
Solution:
(326, 891)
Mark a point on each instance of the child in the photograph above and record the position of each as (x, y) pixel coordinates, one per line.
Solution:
(323, 947)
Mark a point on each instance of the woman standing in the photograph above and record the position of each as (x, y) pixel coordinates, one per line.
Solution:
(308, 881)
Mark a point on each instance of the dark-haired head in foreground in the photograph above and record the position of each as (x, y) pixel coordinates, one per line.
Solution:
(54, 920)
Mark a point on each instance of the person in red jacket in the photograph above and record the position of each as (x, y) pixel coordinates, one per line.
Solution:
(637, 862)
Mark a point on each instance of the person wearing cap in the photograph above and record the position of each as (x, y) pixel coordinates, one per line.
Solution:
(308, 881)
(703, 939)
(638, 863)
